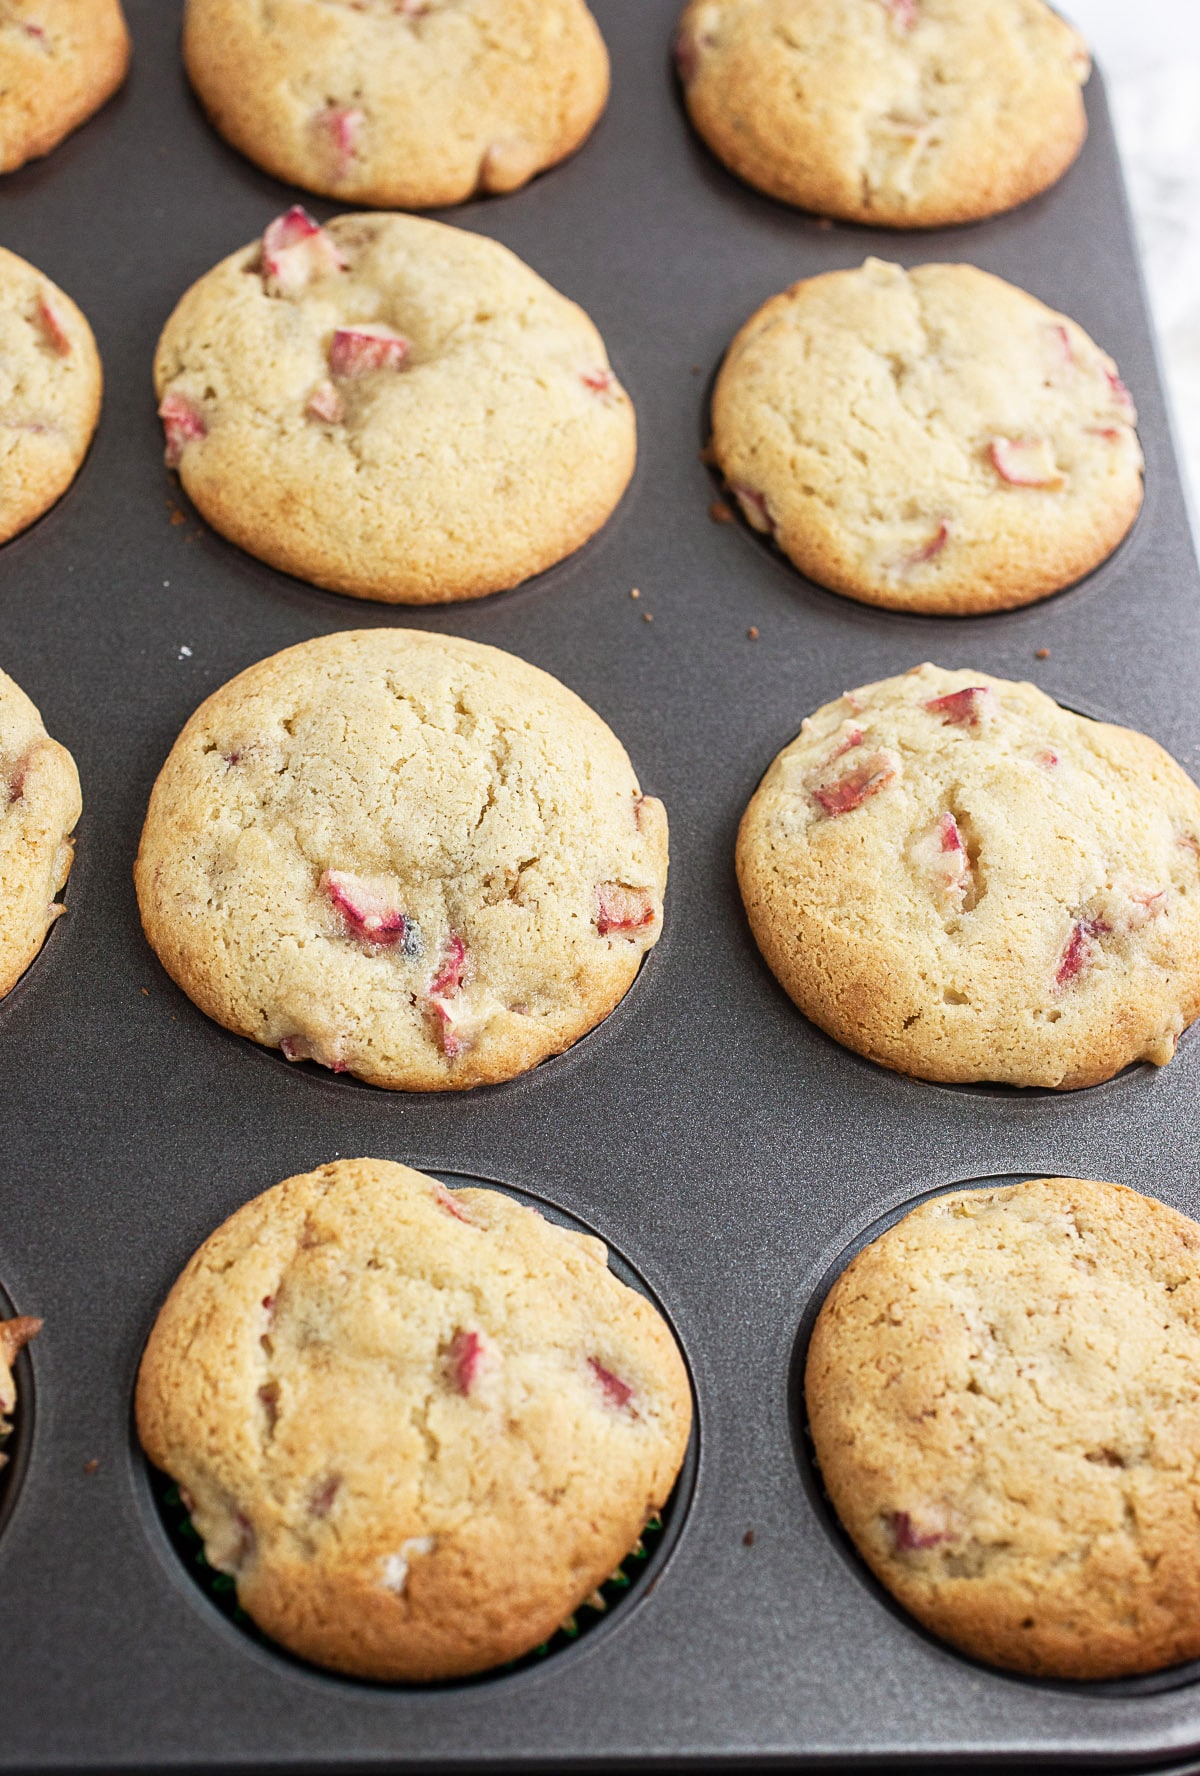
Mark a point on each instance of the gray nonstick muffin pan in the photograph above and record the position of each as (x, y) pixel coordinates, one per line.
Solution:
(731, 1155)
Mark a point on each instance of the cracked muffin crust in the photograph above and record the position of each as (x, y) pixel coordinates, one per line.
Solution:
(963, 881)
(419, 1426)
(60, 60)
(930, 440)
(409, 104)
(900, 113)
(1004, 1400)
(15, 1334)
(50, 382)
(404, 856)
(39, 805)
(392, 408)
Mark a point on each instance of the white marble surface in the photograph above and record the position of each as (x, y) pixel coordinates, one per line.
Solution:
(1149, 51)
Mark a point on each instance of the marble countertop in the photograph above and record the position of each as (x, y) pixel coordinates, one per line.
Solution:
(1149, 53)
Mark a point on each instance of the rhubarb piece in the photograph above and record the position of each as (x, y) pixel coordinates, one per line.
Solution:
(52, 326)
(754, 508)
(1120, 394)
(341, 126)
(447, 1200)
(471, 1357)
(623, 909)
(947, 859)
(450, 976)
(299, 1048)
(325, 403)
(930, 550)
(904, 13)
(1113, 433)
(849, 736)
(964, 709)
(852, 790)
(183, 423)
(1025, 462)
(443, 989)
(908, 1538)
(599, 381)
(1048, 760)
(357, 351)
(371, 912)
(295, 250)
(1065, 347)
(1077, 953)
(1144, 904)
(618, 1393)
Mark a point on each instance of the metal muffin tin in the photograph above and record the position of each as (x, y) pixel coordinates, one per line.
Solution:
(725, 1147)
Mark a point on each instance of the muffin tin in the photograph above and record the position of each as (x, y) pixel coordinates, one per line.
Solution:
(729, 1151)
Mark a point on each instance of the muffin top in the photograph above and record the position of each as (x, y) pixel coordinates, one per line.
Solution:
(392, 408)
(402, 855)
(1004, 1396)
(420, 1426)
(901, 113)
(960, 879)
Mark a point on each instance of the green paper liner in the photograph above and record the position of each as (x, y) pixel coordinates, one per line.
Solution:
(221, 1588)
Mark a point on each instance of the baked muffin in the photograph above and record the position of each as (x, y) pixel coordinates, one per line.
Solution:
(418, 1426)
(961, 880)
(405, 856)
(392, 408)
(1004, 1398)
(410, 104)
(897, 113)
(39, 805)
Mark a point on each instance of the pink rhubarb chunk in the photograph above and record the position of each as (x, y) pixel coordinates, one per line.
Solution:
(443, 989)
(963, 708)
(1065, 347)
(295, 250)
(1120, 394)
(1025, 462)
(325, 403)
(449, 977)
(850, 736)
(372, 915)
(599, 381)
(356, 351)
(904, 13)
(947, 859)
(1077, 952)
(183, 424)
(447, 1200)
(932, 549)
(299, 1048)
(852, 790)
(472, 1356)
(909, 1538)
(341, 126)
(623, 909)
(618, 1393)
(754, 508)
(52, 325)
